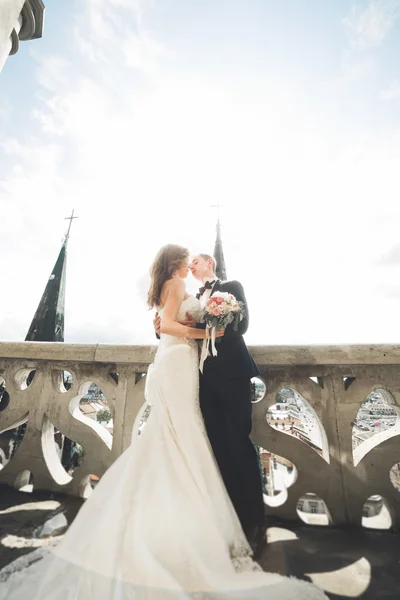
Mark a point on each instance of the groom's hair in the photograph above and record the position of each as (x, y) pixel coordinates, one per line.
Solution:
(208, 257)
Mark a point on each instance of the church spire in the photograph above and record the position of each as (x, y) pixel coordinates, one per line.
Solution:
(48, 323)
(218, 251)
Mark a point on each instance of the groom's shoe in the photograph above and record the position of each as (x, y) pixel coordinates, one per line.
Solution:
(258, 541)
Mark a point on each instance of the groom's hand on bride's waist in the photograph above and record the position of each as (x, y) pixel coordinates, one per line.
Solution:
(157, 324)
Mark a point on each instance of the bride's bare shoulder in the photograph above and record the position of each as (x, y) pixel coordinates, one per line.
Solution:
(176, 283)
(174, 286)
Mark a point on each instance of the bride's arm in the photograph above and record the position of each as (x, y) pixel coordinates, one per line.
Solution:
(169, 324)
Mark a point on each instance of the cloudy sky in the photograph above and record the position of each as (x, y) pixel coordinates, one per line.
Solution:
(141, 114)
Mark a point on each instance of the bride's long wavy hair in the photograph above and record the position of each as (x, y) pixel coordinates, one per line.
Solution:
(168, 260)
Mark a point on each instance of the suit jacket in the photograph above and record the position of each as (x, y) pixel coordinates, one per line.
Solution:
(233, 359)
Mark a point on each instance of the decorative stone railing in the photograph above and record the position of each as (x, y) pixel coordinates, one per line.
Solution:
(345, 376)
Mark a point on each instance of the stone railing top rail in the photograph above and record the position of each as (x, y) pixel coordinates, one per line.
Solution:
(365, 354)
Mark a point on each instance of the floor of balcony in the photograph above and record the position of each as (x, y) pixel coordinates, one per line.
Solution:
(347, 562)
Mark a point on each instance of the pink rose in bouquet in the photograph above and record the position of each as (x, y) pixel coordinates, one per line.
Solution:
(221, 309)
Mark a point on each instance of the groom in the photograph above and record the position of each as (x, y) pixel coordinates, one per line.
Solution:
(225, 402)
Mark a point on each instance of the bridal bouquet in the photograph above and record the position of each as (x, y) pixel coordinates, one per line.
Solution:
(221, 310)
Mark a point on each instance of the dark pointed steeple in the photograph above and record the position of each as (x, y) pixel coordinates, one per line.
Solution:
(219, 254)
(48, 323)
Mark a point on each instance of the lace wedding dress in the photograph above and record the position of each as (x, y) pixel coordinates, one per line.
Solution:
(159, 525)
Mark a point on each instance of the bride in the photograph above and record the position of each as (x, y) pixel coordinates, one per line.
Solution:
(160, 524)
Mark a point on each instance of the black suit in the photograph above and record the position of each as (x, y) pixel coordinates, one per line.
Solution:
(225, 401)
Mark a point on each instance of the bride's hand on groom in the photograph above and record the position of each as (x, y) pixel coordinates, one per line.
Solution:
(190, 321)
(157, 322)
(199, 334)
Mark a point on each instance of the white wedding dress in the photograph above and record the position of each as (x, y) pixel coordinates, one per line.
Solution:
(159, 525)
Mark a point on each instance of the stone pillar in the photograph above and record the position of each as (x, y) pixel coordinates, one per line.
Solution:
(10, 11)
(20, 20)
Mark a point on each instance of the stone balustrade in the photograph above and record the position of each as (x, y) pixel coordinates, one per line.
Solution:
(342, 377)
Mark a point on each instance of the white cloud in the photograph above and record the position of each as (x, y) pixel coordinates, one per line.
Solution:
(369, 27)
(142, 51)
(6, 108)
(142, 161)
(355, 68)
(145, 174)
(108, 32)
(12, 146)
(53, 74)
(392, 92)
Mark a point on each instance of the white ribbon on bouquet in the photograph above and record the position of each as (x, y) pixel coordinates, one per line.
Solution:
(205, 349)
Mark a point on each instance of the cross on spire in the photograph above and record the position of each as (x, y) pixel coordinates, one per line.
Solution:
(217, 206)
(70, 219)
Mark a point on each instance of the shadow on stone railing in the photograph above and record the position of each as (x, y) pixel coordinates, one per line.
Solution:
(315, 419)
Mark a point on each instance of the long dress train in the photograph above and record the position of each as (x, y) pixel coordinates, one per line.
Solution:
(160, 524)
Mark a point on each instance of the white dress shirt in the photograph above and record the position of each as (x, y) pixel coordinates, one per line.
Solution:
(207, 293)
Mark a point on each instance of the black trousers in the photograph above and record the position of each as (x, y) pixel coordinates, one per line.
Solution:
(226, 407)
